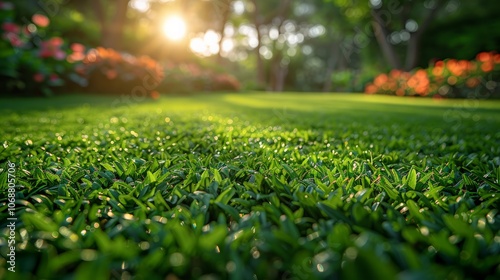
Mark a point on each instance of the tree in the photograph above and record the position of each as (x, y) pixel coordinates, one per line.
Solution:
(403, 23)
(112, 18)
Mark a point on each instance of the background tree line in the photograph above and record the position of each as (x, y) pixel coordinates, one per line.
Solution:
(329, 45)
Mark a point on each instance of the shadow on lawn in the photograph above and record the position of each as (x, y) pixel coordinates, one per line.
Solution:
(358, 110)
(290, 109)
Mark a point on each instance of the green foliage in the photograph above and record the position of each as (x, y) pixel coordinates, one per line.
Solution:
(259, 185)
(466, 32)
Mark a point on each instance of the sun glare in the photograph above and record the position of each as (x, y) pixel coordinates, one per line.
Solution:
(207, 44)
(174, 28)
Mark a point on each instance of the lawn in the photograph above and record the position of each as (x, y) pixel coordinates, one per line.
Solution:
(252, 186)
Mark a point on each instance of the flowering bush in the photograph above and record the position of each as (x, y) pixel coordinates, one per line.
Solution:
(32, 64)
(109, 71)
(106, 70)
(191, 77)
(35, 64)
(448, 78)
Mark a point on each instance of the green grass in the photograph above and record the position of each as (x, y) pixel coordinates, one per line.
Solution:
(253, 186)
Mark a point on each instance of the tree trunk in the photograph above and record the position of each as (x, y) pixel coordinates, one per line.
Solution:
(225, 12)
(412, 51)
(112, 29)
(332, 62)
(381, 33)
(261, 79)
(275, 69)
(281, 77)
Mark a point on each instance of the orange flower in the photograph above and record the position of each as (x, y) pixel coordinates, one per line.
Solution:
(438, 71)
(395, 73)
(371, 89)
(484, 56)
(40, 20)
(421, 74)
(380, 80)
(487, 66)
(455, 67)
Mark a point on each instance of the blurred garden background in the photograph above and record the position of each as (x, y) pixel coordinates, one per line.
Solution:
(441, 48)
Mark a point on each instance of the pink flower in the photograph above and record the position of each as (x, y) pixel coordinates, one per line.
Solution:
(74, 57)
(56, 41)
(10, 27)
(38, 77)
(40, 20)
(78, 48)
(52, 48)
(14, 40)
(59, 55)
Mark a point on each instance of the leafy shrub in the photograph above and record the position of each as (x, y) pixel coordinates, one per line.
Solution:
(225, 82)
(448, 78)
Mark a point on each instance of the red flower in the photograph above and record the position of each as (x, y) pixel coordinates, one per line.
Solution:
(54, 77)
(10, 27)
(44, 53)
(40, 20)
(38, 77)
